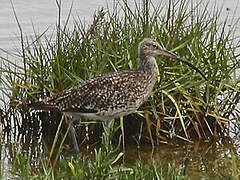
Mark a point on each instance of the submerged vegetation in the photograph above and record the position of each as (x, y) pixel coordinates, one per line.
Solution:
(183, 106)
(103, 166)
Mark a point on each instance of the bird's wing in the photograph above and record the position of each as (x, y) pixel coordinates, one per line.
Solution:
(102, 93)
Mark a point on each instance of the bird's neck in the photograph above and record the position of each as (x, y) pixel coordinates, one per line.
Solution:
(149, 65)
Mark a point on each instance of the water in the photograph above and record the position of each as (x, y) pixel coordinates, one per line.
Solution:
(43, 15)
(40, 14)
(202, 159)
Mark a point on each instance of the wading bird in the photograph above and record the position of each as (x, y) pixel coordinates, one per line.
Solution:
(113, 95)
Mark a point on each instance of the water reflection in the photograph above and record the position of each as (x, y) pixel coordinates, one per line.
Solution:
(201, 159)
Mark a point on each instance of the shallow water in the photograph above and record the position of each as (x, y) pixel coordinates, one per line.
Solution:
(203, 159)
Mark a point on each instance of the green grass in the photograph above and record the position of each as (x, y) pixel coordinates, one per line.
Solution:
(184, 106)
(99, 168)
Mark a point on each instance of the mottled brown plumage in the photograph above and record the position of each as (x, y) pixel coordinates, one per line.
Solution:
(112, 95)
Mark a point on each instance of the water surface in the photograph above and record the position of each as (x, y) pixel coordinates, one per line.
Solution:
(43, 14)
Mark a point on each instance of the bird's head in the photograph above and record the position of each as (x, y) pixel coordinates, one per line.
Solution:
(149, 48)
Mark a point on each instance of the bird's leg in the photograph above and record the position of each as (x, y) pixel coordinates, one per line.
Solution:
(74, 139)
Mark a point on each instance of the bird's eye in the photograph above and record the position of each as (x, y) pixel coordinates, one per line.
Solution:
(155, 46)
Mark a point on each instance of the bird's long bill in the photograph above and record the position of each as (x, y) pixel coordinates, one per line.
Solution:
(174, 56)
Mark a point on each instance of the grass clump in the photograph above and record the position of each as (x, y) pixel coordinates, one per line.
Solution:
(183, 105)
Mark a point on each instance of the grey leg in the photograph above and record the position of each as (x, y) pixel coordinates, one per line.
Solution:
(73, 134)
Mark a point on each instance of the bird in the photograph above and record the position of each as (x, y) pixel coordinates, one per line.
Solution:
(113, 95)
